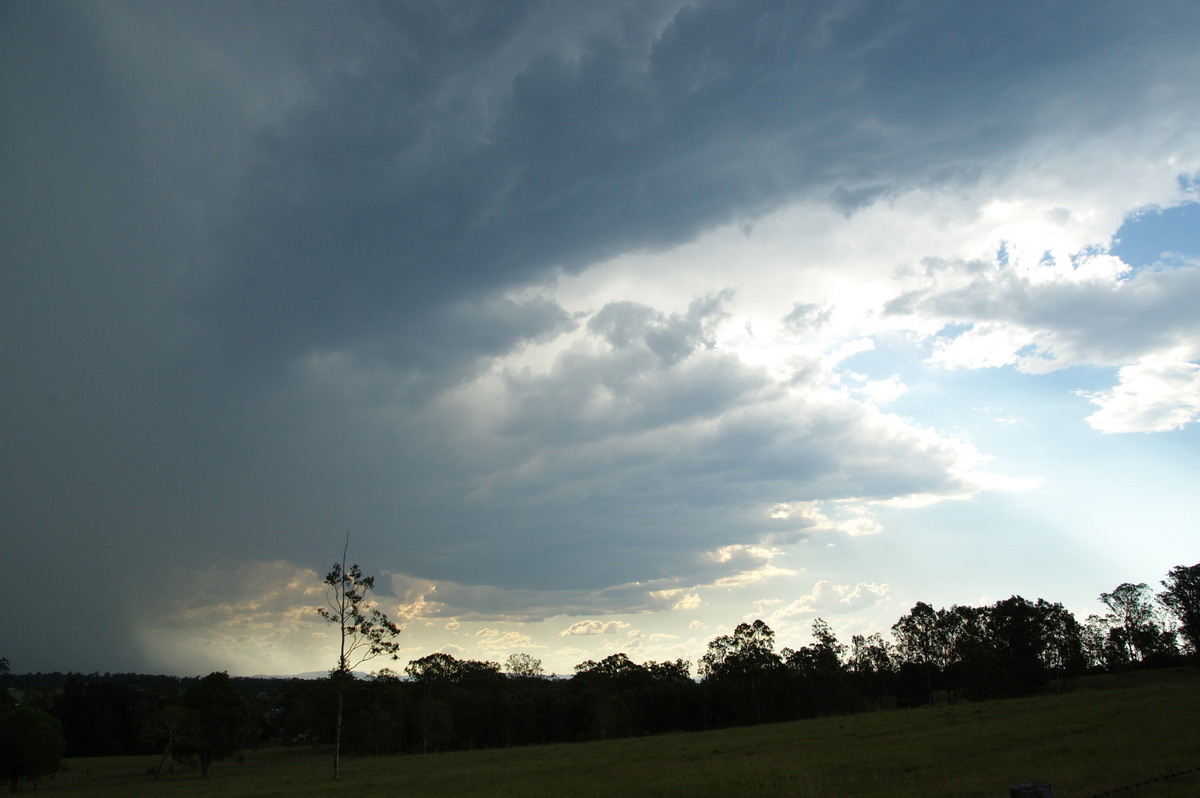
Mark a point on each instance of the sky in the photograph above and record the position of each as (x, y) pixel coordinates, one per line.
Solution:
(593, 327)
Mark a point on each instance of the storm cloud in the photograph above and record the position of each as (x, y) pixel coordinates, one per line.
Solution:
(277, 271)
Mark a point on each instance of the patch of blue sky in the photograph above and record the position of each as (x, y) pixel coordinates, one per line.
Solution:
(1003, 254)
(1082, 255)
(1008, 414)
(1000, 544)
(1002, 410)
(907, 357)
(1189, 185)
(1121, 507)
(1166, 236)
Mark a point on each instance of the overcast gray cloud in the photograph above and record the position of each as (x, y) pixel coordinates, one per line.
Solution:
(272, 271)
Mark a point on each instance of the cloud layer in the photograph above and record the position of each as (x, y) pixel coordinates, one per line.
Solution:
(565, 311)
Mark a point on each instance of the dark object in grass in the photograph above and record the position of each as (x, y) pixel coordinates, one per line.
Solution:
(1031, 789)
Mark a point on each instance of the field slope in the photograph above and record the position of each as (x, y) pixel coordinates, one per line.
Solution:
(1107, 734)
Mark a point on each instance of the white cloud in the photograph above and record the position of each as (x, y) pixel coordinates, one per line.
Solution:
(1152, 396)
(982, 346)
(494, 640)
(415, 598)
(593, 627)
(885, 390)
(851, 518)
(827, 598)
(682, 599)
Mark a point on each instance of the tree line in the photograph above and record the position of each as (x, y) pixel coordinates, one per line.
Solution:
(439, 702)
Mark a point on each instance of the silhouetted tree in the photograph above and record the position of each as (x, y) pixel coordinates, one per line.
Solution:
(301, 708)
(615, 668)
(608, 694)
(820, 675)
(435, 723)
(920, 640)
(31, 745)
(441, 669)
(470, 689)
(523, 666)
(1131, 614)
(747, 657)
(378, 718)
(1062, 642)
(374, 730)
(872, 667)
(1182, 598)
(365, 632)
(1017, 635)
(100, 718)
(6, 700)
(971, 661)
(671, 699)
(533, 706)
(223, 720)
(1095, 641)
(169, 727)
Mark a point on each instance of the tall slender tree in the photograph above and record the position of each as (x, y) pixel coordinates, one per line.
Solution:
(366, 632)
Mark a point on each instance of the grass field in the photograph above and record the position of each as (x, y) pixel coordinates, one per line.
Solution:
(1107, 734)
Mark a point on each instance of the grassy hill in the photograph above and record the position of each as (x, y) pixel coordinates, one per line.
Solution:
(1109, 733)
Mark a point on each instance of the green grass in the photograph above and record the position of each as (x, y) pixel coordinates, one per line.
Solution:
(1105, 735)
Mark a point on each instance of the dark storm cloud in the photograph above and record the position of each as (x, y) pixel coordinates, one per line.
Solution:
(401, 181)
(246, 244)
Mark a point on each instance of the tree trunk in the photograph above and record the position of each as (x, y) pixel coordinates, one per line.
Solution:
(162, 763)
(337, 729)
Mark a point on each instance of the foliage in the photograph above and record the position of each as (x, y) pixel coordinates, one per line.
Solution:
(221, 721)
(169, 727)
(31, 745)
(1182, 597)
(6, 700)
(101, 717)
(365, 630)
(617, 697)
(1131, 614)
(820, 677)
(523, 666)
(748, 651)
(970, 750)
(444, 669)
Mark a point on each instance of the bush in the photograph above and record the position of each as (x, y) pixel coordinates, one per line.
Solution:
(31, 745)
